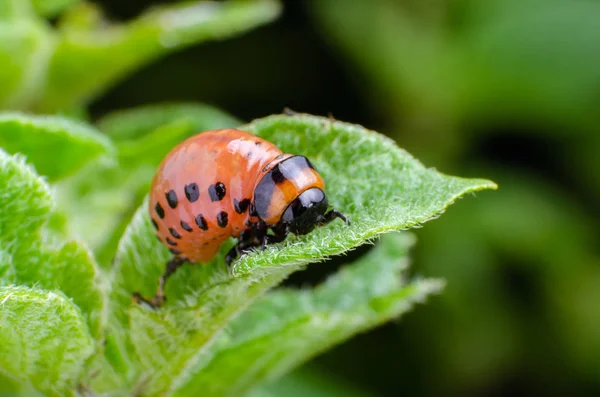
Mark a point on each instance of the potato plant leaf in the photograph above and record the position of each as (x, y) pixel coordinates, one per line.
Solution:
(56, 146)
(48, 358)
(31, 260)
(51, 8)
(286, 327)
(127, 125)
(379, 186)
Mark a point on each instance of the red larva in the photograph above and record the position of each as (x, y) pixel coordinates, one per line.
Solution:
(230, 183)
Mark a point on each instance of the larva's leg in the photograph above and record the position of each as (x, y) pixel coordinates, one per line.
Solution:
(333, 214)
(279, 234)
(251, 238)
(159, 299)
(244, 241)
(231, 256)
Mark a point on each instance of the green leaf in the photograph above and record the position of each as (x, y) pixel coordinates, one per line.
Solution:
(44, 339)
(15, 9)
(86, 62)
(127, 125)
(26, 46)
(145, 135)
(15, 387)
(96, 198)
(83, 16)
(7, 270)
(56, 146)
(24, 209)
(379, 186)
(51, 8)
(25, 201)
(74, 271)
(287, 327)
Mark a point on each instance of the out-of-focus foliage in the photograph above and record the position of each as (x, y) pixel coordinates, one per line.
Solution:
(442, 64)
(302, 383)
(510, 88)
(63, 67)
(56, 146)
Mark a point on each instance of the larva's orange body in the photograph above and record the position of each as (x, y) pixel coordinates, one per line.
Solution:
(207, 177)
(230, 183)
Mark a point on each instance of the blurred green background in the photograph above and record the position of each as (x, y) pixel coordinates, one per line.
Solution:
(503, 89)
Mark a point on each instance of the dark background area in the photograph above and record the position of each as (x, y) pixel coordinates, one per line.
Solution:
(521, 312)
(284, 64)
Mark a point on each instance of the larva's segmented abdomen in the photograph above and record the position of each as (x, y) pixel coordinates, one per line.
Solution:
(203, 190)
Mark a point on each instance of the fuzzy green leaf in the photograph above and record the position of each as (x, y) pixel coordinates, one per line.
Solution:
(287, 327)
(73, 270)
(7, 270)
(86, 62)
(44, 339)
(24, 209)
(25, 201)
(379, 186)
(56, 146)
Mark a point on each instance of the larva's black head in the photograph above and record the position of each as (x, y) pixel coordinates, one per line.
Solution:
(306, 212)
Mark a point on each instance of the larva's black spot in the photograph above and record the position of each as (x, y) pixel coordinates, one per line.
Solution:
(201, 222)
(222, 219)
(277, 175)
(217, 191)
(174, 251)
(171, 198)
(186, 226)
(241, 206)
(249, 155)
(191, 192)
(205, 244)
(159, 211)
(171, 242)
(258, 143)
(174, 233)
(154, 224)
